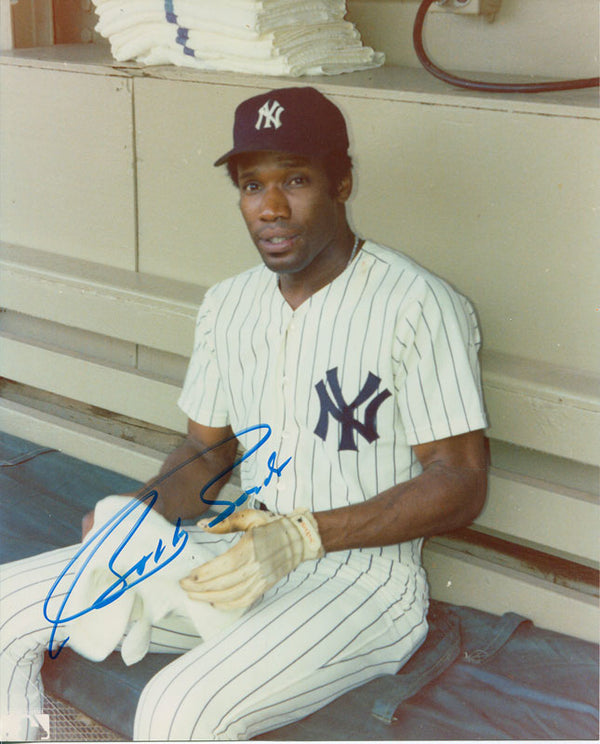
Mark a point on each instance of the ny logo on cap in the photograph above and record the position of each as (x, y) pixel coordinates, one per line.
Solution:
(269, 115)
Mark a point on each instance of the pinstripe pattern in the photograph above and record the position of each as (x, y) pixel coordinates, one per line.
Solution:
(383, 315)
(23, 637)
(331, 624)
(25, 633)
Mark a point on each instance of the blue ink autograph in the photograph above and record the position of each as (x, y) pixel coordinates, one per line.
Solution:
(273, 469)
(158, 558)
(147, 565)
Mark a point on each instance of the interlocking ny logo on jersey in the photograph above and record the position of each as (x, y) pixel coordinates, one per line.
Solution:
(344, 412)
(269, 115)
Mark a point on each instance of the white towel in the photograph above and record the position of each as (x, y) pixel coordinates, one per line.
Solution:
(295, 53)
(264, 37)
(130, 617)
(229, 12)
(130, 43)
(115, 15)
(309, 63)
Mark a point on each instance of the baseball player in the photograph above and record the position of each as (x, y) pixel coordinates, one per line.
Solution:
(349, 375)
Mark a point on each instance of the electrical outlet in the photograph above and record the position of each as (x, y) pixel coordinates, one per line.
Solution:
(487, 8)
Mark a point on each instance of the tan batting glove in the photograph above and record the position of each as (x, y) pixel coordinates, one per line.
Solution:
(272, 546)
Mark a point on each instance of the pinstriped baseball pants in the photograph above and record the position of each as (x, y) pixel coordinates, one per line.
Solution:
(330, 626)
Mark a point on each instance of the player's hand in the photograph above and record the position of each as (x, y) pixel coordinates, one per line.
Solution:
(272, 546)
(87, 523)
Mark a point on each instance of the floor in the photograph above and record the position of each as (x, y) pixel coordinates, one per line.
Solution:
(66, 723)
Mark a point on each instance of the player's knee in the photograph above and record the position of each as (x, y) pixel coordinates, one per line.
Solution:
(163, 710)
(173, 709)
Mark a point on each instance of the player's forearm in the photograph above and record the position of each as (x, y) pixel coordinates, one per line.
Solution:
(184, 475)
(441, 499)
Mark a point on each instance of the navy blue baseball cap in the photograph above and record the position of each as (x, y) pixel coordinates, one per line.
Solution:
(295, 120)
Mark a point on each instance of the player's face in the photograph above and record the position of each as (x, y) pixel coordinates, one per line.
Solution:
(295, 221)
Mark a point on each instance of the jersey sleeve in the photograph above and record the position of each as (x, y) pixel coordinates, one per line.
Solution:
(437, 376)
(202, 397)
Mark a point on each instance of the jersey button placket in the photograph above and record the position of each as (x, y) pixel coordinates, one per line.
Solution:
(290, 373)
(290, 369)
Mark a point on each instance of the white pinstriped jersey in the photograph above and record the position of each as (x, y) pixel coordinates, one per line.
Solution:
(382, 358)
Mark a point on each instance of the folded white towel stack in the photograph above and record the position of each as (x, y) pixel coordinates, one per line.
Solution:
(264, 37)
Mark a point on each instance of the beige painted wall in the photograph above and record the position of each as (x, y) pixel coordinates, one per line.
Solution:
(553, 38)
(67, 182)
(189, 225)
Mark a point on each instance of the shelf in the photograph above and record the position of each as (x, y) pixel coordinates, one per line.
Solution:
(403, 84)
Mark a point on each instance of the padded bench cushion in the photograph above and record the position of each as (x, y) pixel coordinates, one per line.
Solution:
(478, 676)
